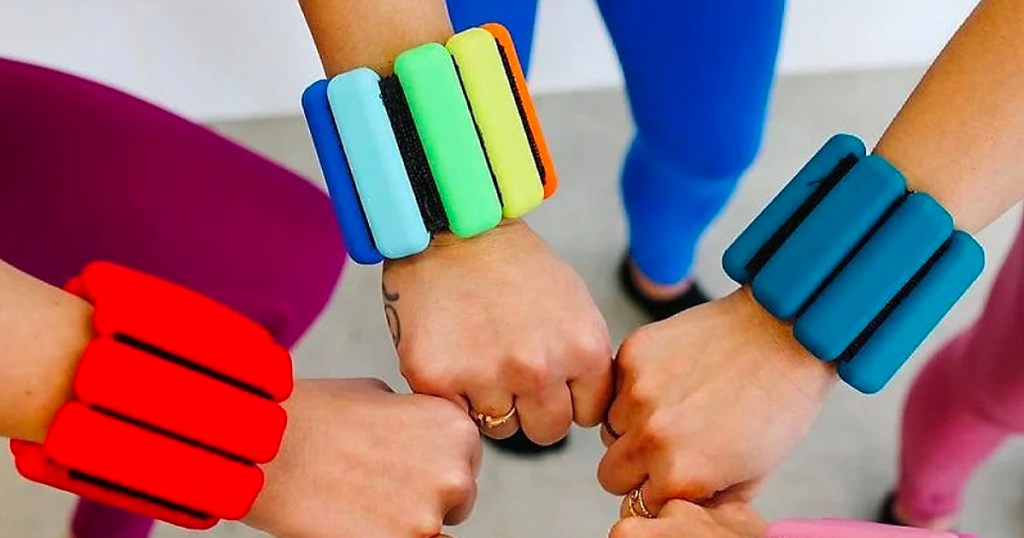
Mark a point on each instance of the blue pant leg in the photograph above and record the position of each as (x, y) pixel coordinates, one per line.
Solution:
(519, 16)
(699, 74)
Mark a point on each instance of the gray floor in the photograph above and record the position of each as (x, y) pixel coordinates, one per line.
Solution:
(842, 469)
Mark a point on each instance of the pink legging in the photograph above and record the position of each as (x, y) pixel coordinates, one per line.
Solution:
(966, 401)
(90, 173)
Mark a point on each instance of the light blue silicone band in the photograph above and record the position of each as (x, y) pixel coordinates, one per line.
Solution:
(337, 175)
(376, 162)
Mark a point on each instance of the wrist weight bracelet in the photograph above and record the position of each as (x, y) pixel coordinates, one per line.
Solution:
(174, 403)
(451, 141)
(863, 268)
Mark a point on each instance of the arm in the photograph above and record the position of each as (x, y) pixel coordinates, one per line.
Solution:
(959, 136)
(45, 331)
(717, 397)
(492, 322)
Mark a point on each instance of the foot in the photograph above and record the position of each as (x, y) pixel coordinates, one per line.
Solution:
(894, 514)
(659, 301)
(653, 290)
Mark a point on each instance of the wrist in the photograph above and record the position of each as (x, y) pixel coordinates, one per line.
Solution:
(42, 377)
(787, 354)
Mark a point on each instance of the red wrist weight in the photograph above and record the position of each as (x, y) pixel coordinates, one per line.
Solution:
(174, 404)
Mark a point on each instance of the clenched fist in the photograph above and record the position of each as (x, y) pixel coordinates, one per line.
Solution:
(497, 323)
(710, 401)
(359, 460)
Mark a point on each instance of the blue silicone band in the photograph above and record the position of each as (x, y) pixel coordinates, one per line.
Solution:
(910, 322)
(332, 159)
(827, 236)
(788, 201)
(895, 253)
(376, 162)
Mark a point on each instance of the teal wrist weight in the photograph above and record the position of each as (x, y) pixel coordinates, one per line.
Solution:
(863, 268)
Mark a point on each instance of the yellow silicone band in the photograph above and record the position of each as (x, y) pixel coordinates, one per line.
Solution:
(494, 108)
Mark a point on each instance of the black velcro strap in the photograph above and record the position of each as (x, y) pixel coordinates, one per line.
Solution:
(522, 113)
(415, 159)
(825, 185)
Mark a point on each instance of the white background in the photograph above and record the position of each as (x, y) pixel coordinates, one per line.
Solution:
(221, 59)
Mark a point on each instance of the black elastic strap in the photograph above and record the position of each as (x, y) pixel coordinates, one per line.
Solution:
(415, 158)
(774, 243)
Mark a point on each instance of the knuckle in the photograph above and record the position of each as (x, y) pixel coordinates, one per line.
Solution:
(425, 378)
(530, 375)
(633, 349)
(592, 345)
(657, 431)
(626, 528)
(427, 525)
(457, 485)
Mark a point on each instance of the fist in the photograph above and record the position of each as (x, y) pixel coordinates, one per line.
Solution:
(710, 402)
(358, 460)
(499, 323)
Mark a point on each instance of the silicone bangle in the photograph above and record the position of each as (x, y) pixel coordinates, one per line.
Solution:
(539, 145)
(450, 140)
(829, 233)
(752, 248)
(863, 268)
(504, 135)
(913, 318)
(376, 162)
(337, 175)
(173, 404)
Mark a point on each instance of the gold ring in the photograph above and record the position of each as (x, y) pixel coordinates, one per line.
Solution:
(487, 422)
(637, 505)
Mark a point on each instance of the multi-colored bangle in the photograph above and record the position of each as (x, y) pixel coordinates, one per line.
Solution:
(175, 403)
(450, 142)
(862, 267)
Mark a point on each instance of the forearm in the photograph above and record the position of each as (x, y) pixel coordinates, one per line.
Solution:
(372, 33)
(960, 135)
(44, 332)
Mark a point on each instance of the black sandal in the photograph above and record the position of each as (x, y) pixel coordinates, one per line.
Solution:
(658, 310)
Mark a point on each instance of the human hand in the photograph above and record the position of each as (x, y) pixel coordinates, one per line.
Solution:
(710, 401)
(680, 519)
(500, 321)
(359, 460)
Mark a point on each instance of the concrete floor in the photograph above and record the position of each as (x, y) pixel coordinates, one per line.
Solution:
(846, 463)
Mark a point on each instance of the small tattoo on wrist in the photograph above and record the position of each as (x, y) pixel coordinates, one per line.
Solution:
(391, 313)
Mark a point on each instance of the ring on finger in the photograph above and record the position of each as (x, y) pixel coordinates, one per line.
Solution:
(489, 422)
(637, 505)
(610, 430)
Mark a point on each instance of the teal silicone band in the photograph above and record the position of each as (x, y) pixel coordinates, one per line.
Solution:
(376, 162)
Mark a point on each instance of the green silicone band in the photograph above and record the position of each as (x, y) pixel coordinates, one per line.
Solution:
(450, 139)
(497, 116)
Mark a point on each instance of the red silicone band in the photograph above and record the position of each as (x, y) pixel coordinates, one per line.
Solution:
(117, 452)
(187, 325)
(181, 402)
(174, 403)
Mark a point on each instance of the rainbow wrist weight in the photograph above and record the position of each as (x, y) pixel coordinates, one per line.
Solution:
(863, 268)
(174, 404)
(451, 141)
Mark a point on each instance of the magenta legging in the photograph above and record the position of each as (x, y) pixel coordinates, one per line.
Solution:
(89, 173)
(966, 401)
